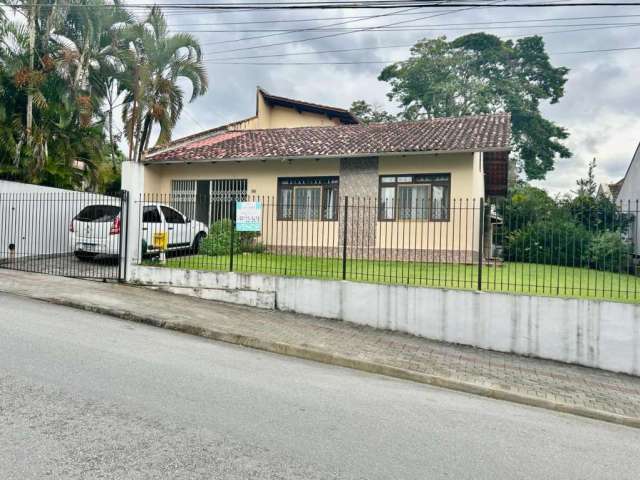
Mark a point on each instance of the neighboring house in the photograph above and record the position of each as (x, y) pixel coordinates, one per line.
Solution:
(629, 197)
(610, 190)
(445, 162)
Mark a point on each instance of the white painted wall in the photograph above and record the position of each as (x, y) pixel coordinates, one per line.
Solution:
(629, 197)
(133, 183)
(593, 333)
(36, 219)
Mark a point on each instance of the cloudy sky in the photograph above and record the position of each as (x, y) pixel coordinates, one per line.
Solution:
(601, 107)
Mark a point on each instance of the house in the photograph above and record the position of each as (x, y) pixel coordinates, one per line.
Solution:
(610, 190)
(629, 197)
(411, 175)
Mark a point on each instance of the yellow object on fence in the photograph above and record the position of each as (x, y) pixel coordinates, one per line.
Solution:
(161, 240)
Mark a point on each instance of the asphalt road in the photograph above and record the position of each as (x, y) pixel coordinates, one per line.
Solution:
(89, 396)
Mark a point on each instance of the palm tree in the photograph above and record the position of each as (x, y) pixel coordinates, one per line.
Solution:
(41, 122)
(91, 59)
(152, 94)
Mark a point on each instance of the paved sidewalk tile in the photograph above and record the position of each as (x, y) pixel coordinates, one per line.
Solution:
(553, 381)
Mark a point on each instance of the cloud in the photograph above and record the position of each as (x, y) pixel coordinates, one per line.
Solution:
(601, 107)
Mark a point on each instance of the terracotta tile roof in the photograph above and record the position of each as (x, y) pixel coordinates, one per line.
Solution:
(474, 133)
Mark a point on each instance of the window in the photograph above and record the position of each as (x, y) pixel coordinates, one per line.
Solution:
(171, 216)
(307, 203)
(414, 197)
(98, 213)
(308, 198)
(412, 202)
(208, 200)
(150, 214)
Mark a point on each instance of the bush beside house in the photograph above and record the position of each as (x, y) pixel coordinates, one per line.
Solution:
(581, 231)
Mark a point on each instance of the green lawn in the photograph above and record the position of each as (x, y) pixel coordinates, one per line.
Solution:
(509, 277)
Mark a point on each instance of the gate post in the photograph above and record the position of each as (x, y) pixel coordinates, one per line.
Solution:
(133, 183)
(344, 238)
(480, 242)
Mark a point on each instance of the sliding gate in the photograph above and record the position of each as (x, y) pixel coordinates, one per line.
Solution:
(58, 232)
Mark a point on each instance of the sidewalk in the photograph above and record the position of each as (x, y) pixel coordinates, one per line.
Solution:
(567, 388)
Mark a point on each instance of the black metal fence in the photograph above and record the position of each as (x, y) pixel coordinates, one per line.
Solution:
(578, 249)
(73, 234)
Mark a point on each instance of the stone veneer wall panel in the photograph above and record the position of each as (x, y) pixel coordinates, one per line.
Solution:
(359, 182)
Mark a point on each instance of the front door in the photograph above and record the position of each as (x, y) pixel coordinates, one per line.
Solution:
(203, 201)
(224, 195)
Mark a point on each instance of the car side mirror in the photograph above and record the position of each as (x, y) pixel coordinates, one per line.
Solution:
(187, 220)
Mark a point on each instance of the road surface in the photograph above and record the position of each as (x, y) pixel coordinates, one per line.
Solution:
(89, 396)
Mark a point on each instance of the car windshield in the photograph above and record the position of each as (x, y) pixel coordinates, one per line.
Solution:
(98, 213)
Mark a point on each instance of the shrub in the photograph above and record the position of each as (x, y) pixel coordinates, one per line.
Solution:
(556, 241)
(218, 242)
(597, 214)
(608, 251)
(253, 247)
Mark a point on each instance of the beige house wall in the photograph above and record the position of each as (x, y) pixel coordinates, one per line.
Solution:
(454, 235)
(443, 238)
(268, 116)
(261, 176)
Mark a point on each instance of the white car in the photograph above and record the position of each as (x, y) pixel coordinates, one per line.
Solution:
(96, 229)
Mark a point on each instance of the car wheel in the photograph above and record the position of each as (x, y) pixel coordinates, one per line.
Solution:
(195, 247)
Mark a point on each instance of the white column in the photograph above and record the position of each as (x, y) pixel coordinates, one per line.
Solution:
(132, 182)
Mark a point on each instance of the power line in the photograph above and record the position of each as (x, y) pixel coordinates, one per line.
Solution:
(235, 61)
(357, 5)
(342, 50)
(364, 29)
(185, 110)
(275, 20)
(418, 28)
(389, 62)
(602, 50)
(256, 37)
(317, 19)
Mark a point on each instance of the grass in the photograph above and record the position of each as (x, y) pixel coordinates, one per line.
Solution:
(536, 279)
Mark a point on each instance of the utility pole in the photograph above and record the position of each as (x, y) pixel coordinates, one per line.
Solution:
(32, 46)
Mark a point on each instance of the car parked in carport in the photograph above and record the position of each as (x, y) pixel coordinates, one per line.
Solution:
(96, 229)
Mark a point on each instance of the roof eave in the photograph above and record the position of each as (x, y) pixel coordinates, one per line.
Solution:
(150, 161)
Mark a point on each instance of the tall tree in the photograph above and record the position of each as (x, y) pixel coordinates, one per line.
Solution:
(478, 74)
(48, 135)
(153, 96)
(370, 113)
(92, 57)
(587, 186)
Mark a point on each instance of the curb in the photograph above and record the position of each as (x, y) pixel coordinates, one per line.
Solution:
(307, 353)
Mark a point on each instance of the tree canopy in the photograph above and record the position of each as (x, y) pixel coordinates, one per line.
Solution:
(65, 68)
(368, 113)
(479, 74)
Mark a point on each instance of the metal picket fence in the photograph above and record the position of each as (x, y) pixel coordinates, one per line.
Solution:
(74, 234)
(582, 251)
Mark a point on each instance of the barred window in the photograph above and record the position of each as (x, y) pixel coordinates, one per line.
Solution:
(308, 198)
(414, 197)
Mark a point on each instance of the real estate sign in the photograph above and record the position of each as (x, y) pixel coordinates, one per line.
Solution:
(248, 216)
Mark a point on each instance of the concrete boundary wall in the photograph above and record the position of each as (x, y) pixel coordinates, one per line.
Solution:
(592, 333)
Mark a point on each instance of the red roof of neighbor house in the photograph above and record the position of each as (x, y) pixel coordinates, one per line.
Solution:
(451, 134)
